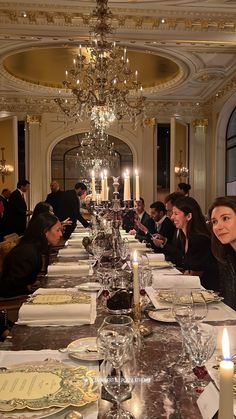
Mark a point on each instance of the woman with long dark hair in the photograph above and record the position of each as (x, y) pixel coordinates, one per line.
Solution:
(222, 214)
(193, 254)
(24, 262)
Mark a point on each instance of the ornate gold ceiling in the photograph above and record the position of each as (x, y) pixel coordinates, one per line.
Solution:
(46, 66)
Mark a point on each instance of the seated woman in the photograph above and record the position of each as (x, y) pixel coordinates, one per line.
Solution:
(23, 263)
(222, 214)
(192, 253)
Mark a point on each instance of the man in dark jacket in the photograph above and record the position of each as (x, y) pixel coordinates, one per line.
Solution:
(17, 212)
(70, 208)
(55, 197)
(142, 217)
(4, 201)
(164, 226)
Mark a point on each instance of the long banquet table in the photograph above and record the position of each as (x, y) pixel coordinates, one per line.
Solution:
(159, 393)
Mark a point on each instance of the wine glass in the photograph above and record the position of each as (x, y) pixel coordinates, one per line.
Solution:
(200, 308)
(124, 249)
(115, 339)
(98, 250)
(200, 341)
(118, 382)
(182, 310)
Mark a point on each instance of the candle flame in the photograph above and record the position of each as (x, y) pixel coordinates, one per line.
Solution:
(135, 256)
(136, 172)
(105, 173)
(225, 344)
(92, 173)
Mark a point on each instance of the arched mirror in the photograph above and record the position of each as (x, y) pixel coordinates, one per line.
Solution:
(74, 157)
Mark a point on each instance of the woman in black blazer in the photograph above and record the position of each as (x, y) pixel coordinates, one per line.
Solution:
(193, 253)
(24, 262)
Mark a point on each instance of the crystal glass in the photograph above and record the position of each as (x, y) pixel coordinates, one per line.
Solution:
(200, 307)
(119, 383)
(124, 249)
(200, 341)
(115, 339)
(182, 310)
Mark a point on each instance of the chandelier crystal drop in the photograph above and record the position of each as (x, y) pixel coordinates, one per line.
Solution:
(101, 82)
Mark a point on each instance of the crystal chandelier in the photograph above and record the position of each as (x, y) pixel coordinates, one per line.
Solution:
(101, 80)
(95, 152)
(181, 170)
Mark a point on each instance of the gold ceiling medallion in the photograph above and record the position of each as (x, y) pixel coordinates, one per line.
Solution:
(101, 80)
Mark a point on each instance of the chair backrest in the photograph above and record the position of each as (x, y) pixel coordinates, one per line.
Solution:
(11, 237)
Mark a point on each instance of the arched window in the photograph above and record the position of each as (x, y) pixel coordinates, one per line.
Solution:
(231, 155)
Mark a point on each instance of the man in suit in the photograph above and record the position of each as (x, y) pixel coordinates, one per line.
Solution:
(164, 226)
(55, 197)
(143, 218)
(17, 212)
(4, 203)
(70, 208)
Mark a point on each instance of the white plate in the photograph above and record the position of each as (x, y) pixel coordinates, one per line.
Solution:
(78, 349)
(162, 316)
(89, 286)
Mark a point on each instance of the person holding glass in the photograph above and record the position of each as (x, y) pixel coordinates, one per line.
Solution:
(222, 214)
(192, 254)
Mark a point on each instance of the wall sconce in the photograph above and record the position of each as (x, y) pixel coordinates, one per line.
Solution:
(5, 169)
(181, 170)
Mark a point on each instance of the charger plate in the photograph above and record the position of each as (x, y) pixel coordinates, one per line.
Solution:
(43, 385)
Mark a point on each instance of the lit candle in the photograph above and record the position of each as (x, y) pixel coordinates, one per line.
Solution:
(136, 76)
(66, 73)
(124, 54)
(136, 292)
(137, 191)
(226, 380)
(93, 187)
(105, 186)
(102, 188)
(126, 186)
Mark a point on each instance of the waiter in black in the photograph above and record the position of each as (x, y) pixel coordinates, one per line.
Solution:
(70, 208)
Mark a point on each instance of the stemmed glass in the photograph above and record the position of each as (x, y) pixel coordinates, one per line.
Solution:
(200, 341)
(119, 383)
(97, 251)
(124, 249)
(182, 310)
(115, 341)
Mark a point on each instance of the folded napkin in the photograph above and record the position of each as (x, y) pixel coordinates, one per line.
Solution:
(75, 242)
(79, 234)
(138, 246)
(155, 257)
(71, 269)
(216, 311)
(169, 280)
(72, 252)
(10, 358)
(57, 306)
